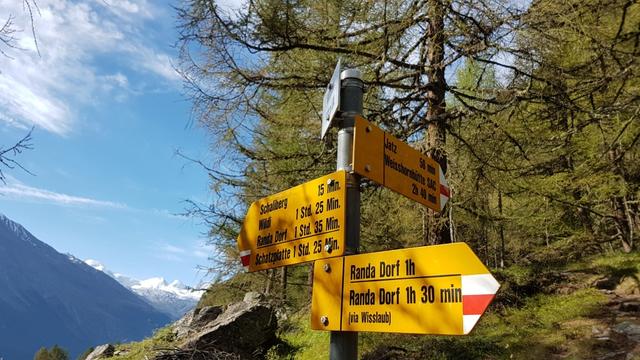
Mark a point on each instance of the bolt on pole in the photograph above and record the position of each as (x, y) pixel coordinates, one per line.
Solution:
(344, 344)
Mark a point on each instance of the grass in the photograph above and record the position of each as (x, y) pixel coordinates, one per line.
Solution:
(614, 260)
(161, 339)
(305, 343)
(536, 329)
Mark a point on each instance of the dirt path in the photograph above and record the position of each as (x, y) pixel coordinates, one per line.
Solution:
(612, 332)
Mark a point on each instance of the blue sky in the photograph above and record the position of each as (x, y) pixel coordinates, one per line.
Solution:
(109, 114)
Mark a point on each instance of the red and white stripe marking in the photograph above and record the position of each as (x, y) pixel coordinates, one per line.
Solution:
(245, 257)
(445, 192)
(477, 293)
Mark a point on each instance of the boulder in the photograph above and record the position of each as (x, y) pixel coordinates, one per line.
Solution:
(101, 352)
(196, 319)
(628, 286)
(205, 315)
(631, 329)
(246, 328)
(182, 326)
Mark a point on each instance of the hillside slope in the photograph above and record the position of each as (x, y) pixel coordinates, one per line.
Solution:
(50, 298)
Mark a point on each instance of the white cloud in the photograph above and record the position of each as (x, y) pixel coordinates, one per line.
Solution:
(159, 64)
(125, 8)
(173, 249)
(169, 257)
(24, 102)
(24, 192)
(117, 79)
(169, 252)
(85, 51)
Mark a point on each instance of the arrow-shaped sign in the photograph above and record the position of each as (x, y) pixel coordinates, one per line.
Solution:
(440, 289)
(304, 223)
(394, 164)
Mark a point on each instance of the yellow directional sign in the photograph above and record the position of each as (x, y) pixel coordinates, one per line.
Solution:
(441, 289)
(304, 223)
(392, 163)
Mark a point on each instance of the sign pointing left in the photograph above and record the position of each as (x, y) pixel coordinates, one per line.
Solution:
(304, 223)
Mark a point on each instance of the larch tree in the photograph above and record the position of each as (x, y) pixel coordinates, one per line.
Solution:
(265, 66)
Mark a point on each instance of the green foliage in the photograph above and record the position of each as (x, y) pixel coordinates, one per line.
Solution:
(55, 353)
(303, 343)
(162, 339)
(42, 354)
(542, 134)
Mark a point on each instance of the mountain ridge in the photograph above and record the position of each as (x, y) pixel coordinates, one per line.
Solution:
(51, 298)
(173, 299)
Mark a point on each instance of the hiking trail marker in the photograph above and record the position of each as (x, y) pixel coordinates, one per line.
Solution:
(394, 164)
(304, 223)
(440, 289)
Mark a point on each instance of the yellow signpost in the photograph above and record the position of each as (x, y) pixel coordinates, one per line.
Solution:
(392, 163)
(441, 289)
(304, 223)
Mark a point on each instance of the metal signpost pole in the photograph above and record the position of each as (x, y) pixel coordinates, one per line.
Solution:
(344, 345)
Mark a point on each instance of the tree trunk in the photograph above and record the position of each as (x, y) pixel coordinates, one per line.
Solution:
(624, 219)
(436, 122)
(310, 280)
(501, 228)
(269, 284)
(283, 281)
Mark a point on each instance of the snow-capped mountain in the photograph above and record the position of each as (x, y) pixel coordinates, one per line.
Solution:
(49, 298)
(173, 299)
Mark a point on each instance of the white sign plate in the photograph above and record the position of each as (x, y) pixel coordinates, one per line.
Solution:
(331, 100)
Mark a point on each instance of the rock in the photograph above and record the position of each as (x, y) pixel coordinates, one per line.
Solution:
(600, 333)
(628, 286)
(121, 353)
(196, 319)
(606, 283)
(630, 306)
(205, 315)
(245, 328)
(101, 352)
(634, 354)
(253, 297)
(182, 326)
(629, 328)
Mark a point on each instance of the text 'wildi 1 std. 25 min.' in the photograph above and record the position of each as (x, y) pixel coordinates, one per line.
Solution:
(301, 224)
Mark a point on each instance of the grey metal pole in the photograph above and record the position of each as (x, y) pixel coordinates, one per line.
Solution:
(344, 345)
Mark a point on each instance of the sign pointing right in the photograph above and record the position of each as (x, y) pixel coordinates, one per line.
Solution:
(394, 164)
(440, 289)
